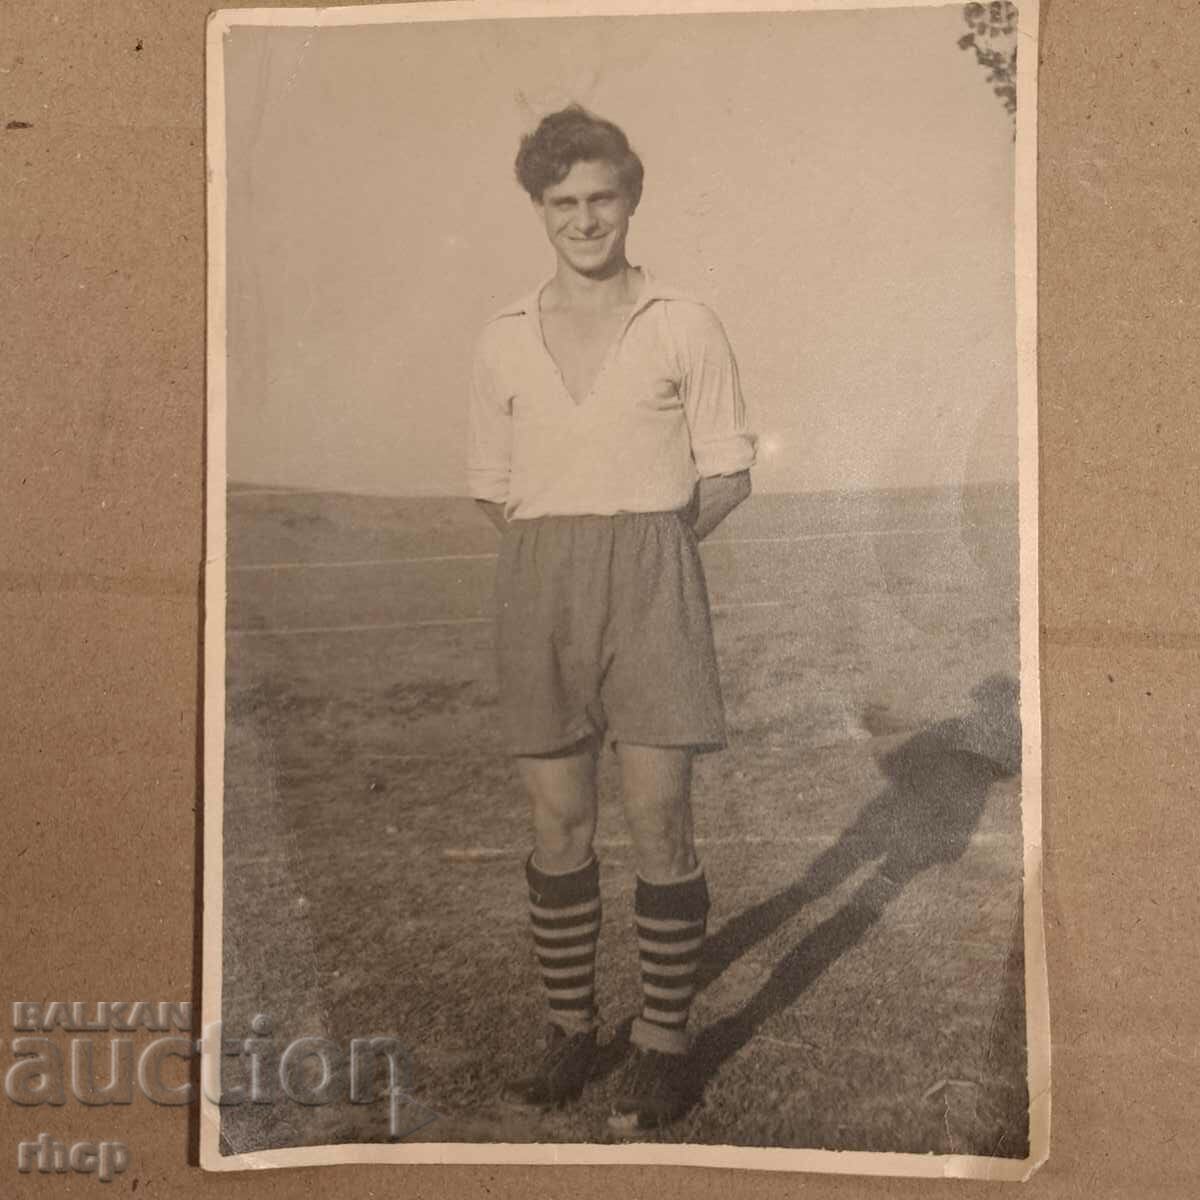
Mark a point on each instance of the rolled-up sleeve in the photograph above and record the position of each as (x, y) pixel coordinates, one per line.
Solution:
(722, 442)
(489, 431)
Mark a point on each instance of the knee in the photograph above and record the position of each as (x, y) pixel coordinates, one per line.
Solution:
(564, 838)
(663, 847)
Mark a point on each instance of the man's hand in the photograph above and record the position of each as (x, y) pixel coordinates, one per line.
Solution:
(716, 497)
(495, 513)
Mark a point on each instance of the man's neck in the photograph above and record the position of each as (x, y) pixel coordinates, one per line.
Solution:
(569, 289)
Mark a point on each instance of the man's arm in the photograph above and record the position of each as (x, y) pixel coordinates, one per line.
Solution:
(716, 497)
(489, 435)
(722, 443)
(495, 513)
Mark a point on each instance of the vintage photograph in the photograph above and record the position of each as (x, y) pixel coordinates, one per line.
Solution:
(622, 725)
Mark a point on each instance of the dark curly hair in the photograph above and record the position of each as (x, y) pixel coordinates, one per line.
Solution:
(574, 135)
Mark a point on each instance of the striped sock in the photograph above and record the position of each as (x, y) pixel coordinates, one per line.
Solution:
(671, 919)
(565, 910)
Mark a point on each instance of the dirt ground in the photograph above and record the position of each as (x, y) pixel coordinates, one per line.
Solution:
(862, 986)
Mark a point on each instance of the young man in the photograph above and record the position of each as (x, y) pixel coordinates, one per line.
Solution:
(607, 437)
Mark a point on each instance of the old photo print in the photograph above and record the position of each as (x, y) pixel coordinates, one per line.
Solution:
(622, 721)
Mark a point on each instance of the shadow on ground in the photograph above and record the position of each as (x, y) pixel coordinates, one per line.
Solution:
(938, 784)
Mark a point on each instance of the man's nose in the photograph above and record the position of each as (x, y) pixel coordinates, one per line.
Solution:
(588, 219)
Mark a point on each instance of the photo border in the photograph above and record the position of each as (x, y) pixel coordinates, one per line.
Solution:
(220, 23)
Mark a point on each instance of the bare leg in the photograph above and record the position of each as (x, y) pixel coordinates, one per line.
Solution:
(562, 795)
(656, 784)
(565, 910)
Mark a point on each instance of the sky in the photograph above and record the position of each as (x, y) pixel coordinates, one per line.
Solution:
(837, 185)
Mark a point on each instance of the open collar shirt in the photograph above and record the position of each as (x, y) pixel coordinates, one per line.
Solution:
(664, 409)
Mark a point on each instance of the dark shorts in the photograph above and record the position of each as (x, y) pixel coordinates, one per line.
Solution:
(603, 626)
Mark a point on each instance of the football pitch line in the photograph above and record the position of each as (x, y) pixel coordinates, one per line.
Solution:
(364, 562)
(488, 853)
(436, 622)
(423, 560)
(439, 622)
(299, 630)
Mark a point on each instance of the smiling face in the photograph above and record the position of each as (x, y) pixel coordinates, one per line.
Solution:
(586, 216)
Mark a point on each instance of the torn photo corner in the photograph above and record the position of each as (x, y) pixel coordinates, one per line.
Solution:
(622, 726)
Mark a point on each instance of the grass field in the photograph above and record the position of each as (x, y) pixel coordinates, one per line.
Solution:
(863, 984)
